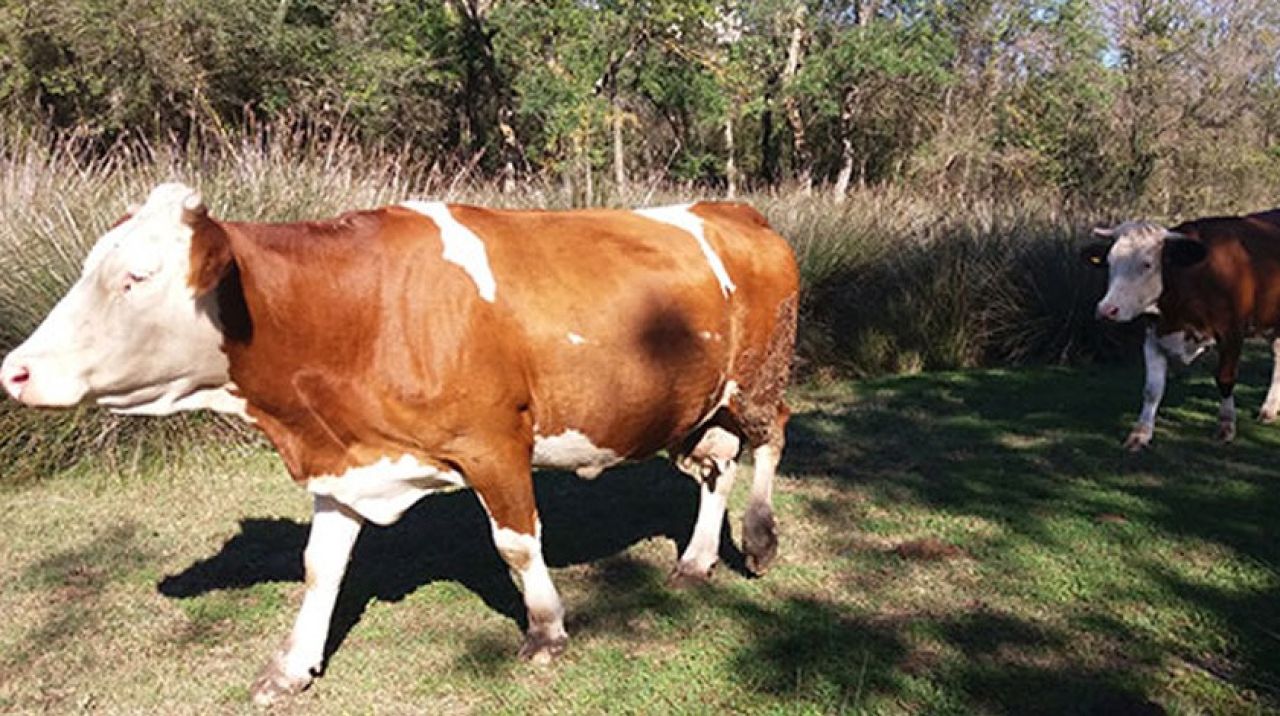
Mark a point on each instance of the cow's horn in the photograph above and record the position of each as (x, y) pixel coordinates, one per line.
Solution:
(193, 202)
(1104, 232)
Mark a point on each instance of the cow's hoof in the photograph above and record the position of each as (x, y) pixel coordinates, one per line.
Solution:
(1267, 416)
(1138, 439)
(1226, 432)
(688, 576)
(542, 649)
(274, 685)
(759, 538)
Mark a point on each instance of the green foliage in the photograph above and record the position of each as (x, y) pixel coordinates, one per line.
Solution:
(1108, 104)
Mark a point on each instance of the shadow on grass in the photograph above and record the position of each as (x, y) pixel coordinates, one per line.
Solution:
(446, 537)
(1024, 450)
(1037, 452)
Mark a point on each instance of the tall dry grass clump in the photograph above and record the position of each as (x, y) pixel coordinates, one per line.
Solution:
(893, 280)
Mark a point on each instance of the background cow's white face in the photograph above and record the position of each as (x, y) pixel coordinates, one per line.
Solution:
(129, 334)
(1134, 253)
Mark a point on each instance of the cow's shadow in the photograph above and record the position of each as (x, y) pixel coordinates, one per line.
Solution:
(446, 537)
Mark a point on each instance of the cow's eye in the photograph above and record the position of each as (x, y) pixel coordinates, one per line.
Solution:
(132, 279)
(1146, 265)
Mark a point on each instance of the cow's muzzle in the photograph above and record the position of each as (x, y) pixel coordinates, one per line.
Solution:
(15, 376)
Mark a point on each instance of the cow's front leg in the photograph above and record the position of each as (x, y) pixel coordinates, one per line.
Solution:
(1228, 366)
(1271, 406)
(517, 534)
(334, 529)
(1157, 370)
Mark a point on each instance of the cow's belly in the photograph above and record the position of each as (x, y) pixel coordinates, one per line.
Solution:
(597, 411)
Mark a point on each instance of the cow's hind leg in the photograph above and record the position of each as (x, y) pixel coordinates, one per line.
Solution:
(1271, 405)
(334, 529)
(713, 461)
(517, 535)
(762, 412)
(759, 528)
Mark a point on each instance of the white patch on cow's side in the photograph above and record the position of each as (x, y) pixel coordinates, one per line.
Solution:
(680, 217)
(1186, 346)
(461, 245)
(382, 491)
(576, 339)
(572, 450)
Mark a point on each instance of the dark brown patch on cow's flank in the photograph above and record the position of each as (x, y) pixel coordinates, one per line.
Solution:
(666, 336)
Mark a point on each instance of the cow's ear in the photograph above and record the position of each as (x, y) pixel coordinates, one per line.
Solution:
(1095, 254)
(211, 256)
(1183, 251)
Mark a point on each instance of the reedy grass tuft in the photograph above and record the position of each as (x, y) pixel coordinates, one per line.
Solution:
(894, 281)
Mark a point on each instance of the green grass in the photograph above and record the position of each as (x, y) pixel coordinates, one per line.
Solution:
(1069, 577)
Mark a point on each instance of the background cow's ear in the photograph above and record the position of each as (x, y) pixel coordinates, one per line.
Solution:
(1183, 251)
(1095, 254)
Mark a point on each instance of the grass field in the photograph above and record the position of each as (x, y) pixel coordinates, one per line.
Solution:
(969, 542)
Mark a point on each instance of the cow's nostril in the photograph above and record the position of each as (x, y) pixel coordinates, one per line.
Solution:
(15, 378)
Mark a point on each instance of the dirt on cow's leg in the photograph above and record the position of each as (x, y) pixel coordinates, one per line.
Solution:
(759, 528)
(763, 413)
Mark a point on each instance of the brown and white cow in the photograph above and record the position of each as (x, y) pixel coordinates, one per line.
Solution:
(392, 353)
(1207, 281)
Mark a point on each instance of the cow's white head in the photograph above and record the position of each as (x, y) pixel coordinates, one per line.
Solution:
(1135, 254)
(131, 334)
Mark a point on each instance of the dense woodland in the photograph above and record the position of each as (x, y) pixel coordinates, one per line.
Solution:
(1162, 104)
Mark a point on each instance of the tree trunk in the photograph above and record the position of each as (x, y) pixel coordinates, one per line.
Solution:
(867, 10)
(846, 147)
(730, 166)
(619, 155)
(768, 151)
(800, 159)
(841, 187)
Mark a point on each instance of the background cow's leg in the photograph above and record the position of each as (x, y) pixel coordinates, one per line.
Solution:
(1228, 365)
(1271, 406)
(1157, 366)
(334, 529)
(517, 534)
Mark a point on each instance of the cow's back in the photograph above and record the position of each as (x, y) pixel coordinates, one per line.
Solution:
(632, 334)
